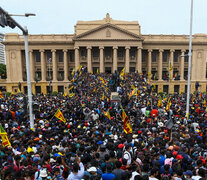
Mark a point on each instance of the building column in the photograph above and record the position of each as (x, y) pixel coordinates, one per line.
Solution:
(89, 63)
(20, 65)
(77, 59)
(101, 60)
(115, 58)
(8, 69)
(32, 66)
(139, 60)
(54, 65)
(65, 65)
(149, 64)
(182, 64)
(127, 63)
(171, 61)
(43, 66)
(160, 65)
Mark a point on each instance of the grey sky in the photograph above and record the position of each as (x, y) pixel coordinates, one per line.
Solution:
(154, 16)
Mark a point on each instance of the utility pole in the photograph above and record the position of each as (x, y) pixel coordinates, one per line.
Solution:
(7, 20)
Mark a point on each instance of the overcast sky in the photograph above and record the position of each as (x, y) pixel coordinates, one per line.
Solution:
(154, 16)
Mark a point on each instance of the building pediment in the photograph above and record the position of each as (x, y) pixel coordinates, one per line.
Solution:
(108, 32)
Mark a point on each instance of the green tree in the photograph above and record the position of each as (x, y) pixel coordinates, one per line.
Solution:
(3, 71)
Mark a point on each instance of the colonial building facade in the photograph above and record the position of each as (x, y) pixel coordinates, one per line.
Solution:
(107, 45)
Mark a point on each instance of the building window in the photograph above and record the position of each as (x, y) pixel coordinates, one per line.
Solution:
(176, 56)
(48, 55)
(144, 55)
(132, 53)
(83, 52)
(120, 52)
(37, 56)
(132, 69)
(164, 57)
(165, 89)
(71, 56)
(186, 56)
(49, 89)
(61, 89)
(38, 75)
(60, 75)
(154, 56)
(176, 89)
(38, 89)
(108, 53)
(95, 53)
(60, 55)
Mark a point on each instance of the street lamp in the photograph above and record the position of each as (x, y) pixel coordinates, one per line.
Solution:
(7, 20)
(189, 61)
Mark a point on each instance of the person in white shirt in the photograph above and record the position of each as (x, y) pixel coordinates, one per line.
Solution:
(127, 154)
(76, 173)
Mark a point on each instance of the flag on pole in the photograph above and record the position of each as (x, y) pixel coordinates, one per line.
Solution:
(65, 94)
(60, 116)
(97, 71)
(204, 103)
(122, 74)
(1, 96)
(71, 95)
(127, 125)
(107, 114)
(102, 80)
(5, 140)
(168, 104)
(160, 102)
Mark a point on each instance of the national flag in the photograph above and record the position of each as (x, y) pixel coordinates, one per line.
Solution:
(71, 95)
(160, 102)
(91, 72)
(168, 104)
(122, 74)
(127, 125)
(107, 114)
(1, 96)
(18, 90)
(204, 103)
(132, 86)
(97, 71)
(79, 68)
(65, 94)
(73, 72)
(60, 116)
(102, 80)
(5, 140)
(170, 66)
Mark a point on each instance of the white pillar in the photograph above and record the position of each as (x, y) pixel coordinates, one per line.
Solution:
(139, 60)
(32, 66)
(54, 65)
(101, 60)
(89, 63)
(127, 63)
(43, 65)
(77, 59)
(160, 65)
(115, 58)
(65, 59)
(149, 64)
(182, 59)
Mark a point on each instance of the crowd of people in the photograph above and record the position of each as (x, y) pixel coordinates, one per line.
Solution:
(92, 146)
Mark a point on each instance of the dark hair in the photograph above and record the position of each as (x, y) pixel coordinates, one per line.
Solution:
(75, 167)
(154, 171)
(118, 164)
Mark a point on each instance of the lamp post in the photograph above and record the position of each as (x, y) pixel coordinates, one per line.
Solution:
(7, 20)
(189, 61)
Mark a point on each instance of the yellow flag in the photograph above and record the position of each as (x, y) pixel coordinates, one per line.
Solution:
(168, 104)
(102, 80)
(97, 71)
(103, 96)
(65, 94)
(1, 96)
(70, 88)
(107, 114)
(71, 95)
(204, 103)
(127, 125)
(60, 116)
(5, 140)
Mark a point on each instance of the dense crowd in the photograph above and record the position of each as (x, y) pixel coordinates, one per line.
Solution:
(92, 146)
